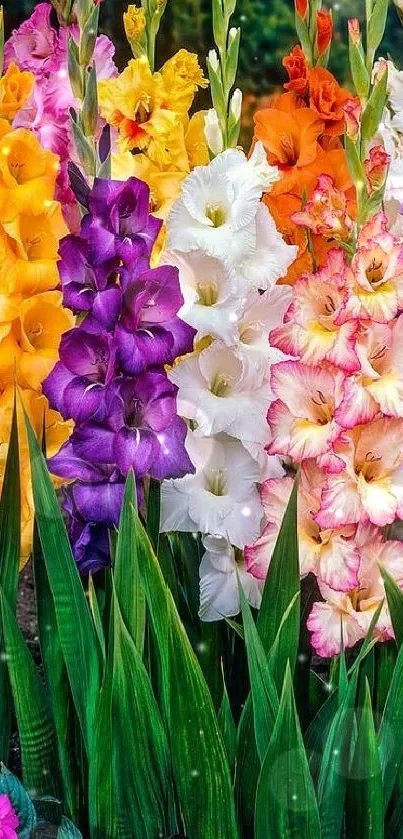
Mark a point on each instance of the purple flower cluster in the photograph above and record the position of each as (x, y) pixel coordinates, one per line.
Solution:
(110, 378)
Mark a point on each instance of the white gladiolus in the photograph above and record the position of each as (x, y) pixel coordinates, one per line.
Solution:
(219, 573)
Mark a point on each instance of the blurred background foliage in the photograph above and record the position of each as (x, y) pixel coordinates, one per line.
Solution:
(267, 35)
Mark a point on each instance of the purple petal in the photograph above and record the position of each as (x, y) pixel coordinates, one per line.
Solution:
(158, 397)
(165, 297)
(183, 336)
(90, 543)
(172, 460)
(135, 449)
(99, 502)
(86, 354)
(83, 400)
(94, 443)
(106, 308)
(144, 348)
(55, 385)
(67, 464)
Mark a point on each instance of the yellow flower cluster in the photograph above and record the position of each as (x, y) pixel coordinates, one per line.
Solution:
(32, 318)
(151, 114)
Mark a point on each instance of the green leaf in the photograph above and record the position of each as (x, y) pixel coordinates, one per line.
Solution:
(334, 765)
(68, 830)
(84, 148)
(10, 527)
(263, 689)
(390, 735)
(285, 799)
(22, 804)
(394, 597)
(35, 725)
(126, 576)
(56, 677)
(377, 23)
(353, 161)
(281, 586)
(96, 616)
(77, 634)
(276, 654)
(199, 759)
(136, 788)
(374, 108)
(364, 812)
(154, 513)
(227, 728)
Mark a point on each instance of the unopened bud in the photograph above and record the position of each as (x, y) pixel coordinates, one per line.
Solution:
(212, 132)
(213, 59)
(236, 104)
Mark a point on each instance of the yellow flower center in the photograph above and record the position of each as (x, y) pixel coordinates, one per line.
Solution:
(216, 214)
(207, 292)
(216, 482)
(221, 384)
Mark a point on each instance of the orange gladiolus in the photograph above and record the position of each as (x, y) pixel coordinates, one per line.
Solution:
(327, 99)
(297, 68)
(290, 134)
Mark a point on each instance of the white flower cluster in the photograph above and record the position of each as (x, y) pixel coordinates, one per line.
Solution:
(229, 255)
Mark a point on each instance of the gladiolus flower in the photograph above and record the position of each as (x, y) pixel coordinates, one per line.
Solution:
(302, 417)
(327, 99)
(377, 269)
(370, 486)
(297, 68)
(356, 609)
(376, 167)
(220, 569)
(16, 87)
(27, 175)
(326, 213)
(333, 555)
(324, 31)
(316, 327)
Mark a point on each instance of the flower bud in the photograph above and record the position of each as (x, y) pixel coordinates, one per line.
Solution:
(213, 59)
(232, 34)
(236, 104)
(212, 132)
(324, 31)
(301, 8)
(376, 168)
(352, 114)
(134, 21)
(354, 31)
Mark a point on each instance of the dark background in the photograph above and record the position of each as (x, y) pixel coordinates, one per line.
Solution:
(267, 34)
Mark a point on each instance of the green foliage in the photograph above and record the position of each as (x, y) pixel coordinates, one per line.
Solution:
(161, 756)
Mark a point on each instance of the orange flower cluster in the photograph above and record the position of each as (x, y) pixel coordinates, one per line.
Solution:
(301, 134)
(32, 318)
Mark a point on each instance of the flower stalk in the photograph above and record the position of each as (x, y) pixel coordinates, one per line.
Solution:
(222, 64)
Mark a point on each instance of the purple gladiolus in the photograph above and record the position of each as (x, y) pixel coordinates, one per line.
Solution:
(110, 377)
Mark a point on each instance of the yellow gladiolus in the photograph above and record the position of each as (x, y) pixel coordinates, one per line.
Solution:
(182, 77)
(27, 174)
(16, 87)
(30, 350)
(30, 245)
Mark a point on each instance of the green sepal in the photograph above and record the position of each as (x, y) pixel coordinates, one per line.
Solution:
(89, 112)
(374, 108)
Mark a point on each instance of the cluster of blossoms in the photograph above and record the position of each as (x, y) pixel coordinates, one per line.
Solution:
(38, 47)
(338, 412)
(32, 318)
(229, 254)
(110, 376)
(301, 132)
(150, 112)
